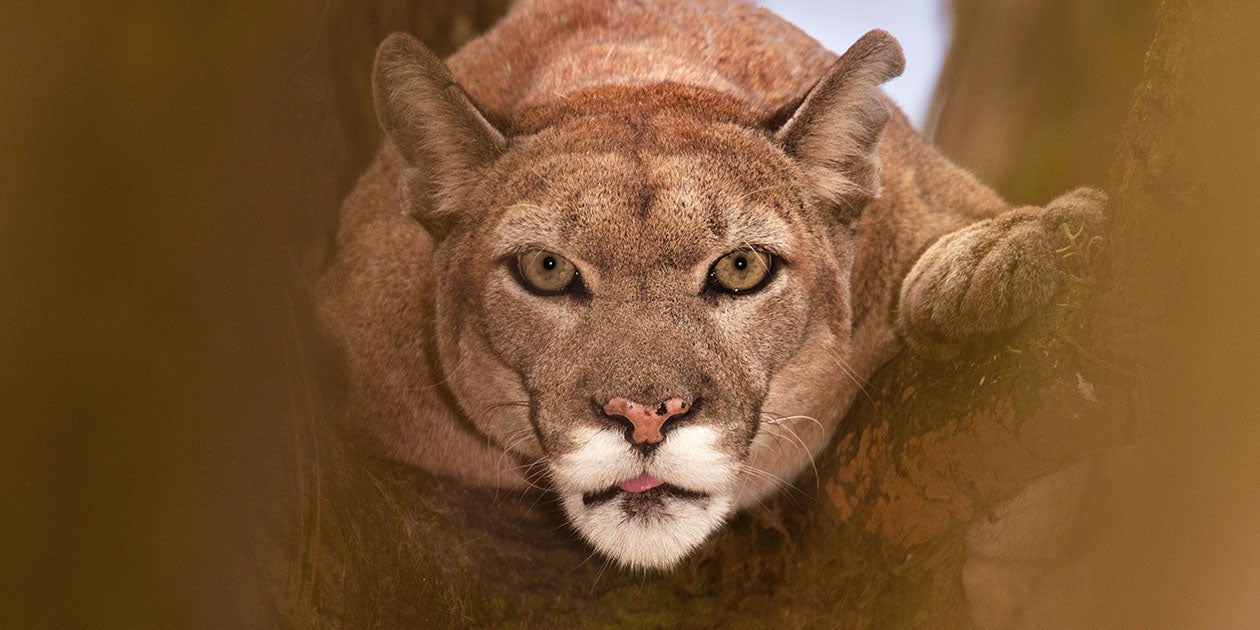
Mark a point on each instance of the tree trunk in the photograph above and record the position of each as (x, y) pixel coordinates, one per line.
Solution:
(1108, 377)
(1034, 93)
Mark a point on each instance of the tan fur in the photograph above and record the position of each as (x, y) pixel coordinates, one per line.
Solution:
(642, 141)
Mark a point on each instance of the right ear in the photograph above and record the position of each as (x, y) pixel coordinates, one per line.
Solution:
(835, 132)
(437, 130)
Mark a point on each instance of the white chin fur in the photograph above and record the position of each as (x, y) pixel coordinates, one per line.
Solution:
(664, 532)
(653, 541)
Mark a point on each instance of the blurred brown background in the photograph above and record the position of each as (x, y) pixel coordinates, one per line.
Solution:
(170, 171)
(1033, 94)
(170, 179)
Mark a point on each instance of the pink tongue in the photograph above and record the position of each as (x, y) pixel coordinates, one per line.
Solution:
(641, 483)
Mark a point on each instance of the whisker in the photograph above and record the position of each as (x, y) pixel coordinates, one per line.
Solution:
(562, 525)
(795, 438)
(585, 560)
(543, 496)
(498, 474)
(789, 491)
(516, 437)
(782, 487)
(743, 485)
(600, 575)
(805, 449)
(773, 419)
(760, 190)
(447, 376)
(778, 481)
(761, 261)
(849, 371)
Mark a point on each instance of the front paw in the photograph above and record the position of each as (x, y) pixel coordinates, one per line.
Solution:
(990, 276)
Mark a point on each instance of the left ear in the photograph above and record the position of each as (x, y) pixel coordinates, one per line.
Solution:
(835, 132)
(444, 141)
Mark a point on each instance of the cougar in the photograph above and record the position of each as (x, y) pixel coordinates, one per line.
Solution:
(651, 250)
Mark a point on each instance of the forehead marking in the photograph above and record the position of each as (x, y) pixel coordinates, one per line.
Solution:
(663, 197)
(645, 196)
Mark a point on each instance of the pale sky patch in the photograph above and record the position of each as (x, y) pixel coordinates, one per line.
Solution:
(922, 27)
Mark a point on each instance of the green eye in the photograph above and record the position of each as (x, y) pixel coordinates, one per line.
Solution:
(741, 271)
(545, 272)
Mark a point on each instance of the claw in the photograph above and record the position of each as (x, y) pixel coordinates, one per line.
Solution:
(1074, 246)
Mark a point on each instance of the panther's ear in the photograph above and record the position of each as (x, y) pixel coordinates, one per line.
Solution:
(436, 128)
(835, 132)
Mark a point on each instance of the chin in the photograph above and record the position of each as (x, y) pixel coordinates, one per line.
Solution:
(647, 512)
(653, 529)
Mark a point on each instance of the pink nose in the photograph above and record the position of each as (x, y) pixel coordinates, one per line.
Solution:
(647, 421)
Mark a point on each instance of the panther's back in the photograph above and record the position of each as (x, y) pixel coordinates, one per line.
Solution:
(546, 49)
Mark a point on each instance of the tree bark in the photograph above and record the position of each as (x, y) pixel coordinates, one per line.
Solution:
(875, 537)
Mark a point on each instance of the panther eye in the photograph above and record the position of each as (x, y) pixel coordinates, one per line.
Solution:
(545, 272)
(741, 271)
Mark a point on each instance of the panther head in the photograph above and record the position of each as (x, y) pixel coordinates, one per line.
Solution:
(644, 289)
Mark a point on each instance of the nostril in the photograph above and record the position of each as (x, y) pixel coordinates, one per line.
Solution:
(611, 413)
(646, 422)
(620, 408)
(674, 407)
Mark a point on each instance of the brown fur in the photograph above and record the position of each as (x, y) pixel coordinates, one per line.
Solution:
(643, 140)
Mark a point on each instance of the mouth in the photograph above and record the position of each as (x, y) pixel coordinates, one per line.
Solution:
(646, 522)
(642, 519)
(641, 495)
